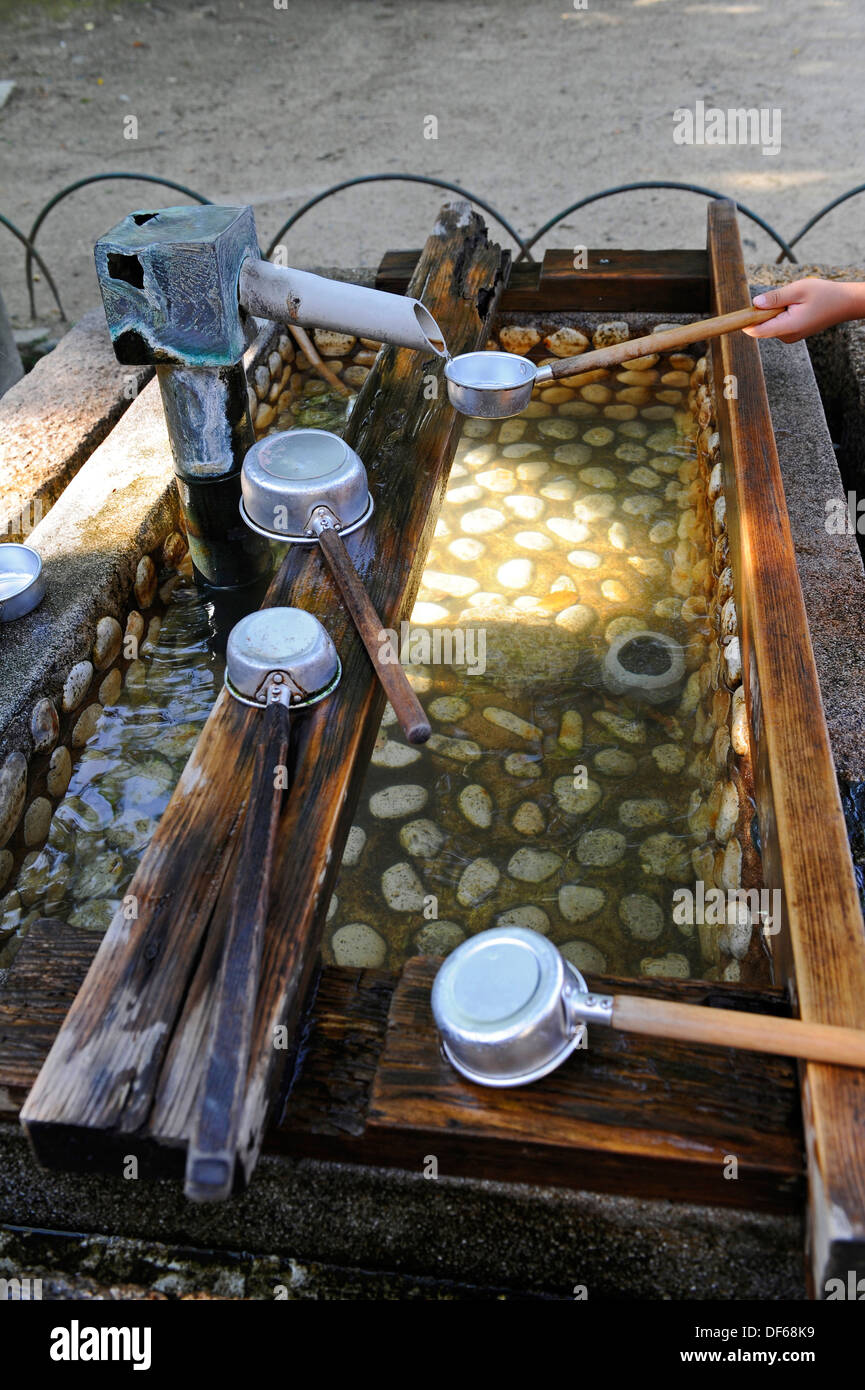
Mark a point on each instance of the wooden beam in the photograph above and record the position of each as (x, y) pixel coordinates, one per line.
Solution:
(821, 948)
(128, 1059)
(654, 281)
(640, 1116)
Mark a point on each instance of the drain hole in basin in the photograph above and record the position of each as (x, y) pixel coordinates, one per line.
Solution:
(645, 656)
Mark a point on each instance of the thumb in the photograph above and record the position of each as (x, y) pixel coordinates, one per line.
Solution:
(776, 298)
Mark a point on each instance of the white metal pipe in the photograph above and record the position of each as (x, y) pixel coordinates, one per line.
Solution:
(295, 296)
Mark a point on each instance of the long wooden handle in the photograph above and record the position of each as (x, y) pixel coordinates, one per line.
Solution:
(212, 1151)
(667, 341)
(407, 707)
(787, 1037)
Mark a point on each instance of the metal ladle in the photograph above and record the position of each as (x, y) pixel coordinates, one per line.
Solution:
(307, 487)
(510, 1009)
(281, 661)
(495, 385)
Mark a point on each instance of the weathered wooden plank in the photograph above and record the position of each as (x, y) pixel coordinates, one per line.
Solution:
(135, 1029)
(821, 948)
(674, 281)
(636, 1115)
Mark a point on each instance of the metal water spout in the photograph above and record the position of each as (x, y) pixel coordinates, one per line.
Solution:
(178, 285)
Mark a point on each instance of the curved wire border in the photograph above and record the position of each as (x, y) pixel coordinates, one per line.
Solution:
(73, 188)
(525, 246)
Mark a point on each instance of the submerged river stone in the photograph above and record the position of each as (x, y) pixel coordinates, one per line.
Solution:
(44, 726)
(584, 956)
(598, 849)
(439, 938)
(577, 902)
(533, 865)
(393, 803)
(359, 946)
(477, 881)
(422, 839)
(354, 844)
(642, 916)
(576, 800)
(402, 889)
(527, 915)
(476, 805)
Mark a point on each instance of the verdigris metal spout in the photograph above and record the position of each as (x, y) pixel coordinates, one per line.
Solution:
(298, 297)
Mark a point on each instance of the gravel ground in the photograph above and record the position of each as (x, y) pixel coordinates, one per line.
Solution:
(249, 102)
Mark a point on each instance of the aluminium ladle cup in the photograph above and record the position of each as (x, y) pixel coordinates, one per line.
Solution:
(281, 661)
(308, 487)
(496, 385)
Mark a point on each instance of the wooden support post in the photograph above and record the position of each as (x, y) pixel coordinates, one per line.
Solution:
(128, 1059)
(821, 948)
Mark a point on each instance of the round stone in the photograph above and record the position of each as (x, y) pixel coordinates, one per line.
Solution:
(353, 846)
(358, 946)
(466, 550)
(37, 819)
(388, 753)
(482, 521)
(526, 915)
(85, 725)
(13, 790)
(577, 902)
(573, 454)
(515, 574)
(586, 957)
(447, 709)
(513, 724)
(145, 582)
(173, 550)
(476, 805)
(76, 685)
(522, 765)
(439, 938)
(525, 508)
(571, 731)
(669, 757)
(395, 802)
(532, 540)
(577, 618)
(402, 889)
(110, 687)
(584, 559)
(614, 762)
(461, 750)
(642, 916)
(643, 811)
(559, 490)
(672, 966)
(598, 477)
(575, 800)
(477, 881)
(598, 849)
(422, 839)
(533, 865)
(572, 532)
(109, 636)
(95, 915)
(528, 819)
(44, 726)
(558, 428)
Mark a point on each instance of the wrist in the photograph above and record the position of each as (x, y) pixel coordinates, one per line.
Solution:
(854, 300)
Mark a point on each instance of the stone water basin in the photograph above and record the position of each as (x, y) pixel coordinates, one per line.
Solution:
(542, 798)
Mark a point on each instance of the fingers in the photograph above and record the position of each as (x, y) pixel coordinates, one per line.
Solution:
(772, 328)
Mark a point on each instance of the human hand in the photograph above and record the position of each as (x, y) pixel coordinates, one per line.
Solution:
(809, 306)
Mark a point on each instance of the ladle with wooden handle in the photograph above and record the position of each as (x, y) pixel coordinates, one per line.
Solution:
(307, 487)
(495, 385)
(279, 660)
(510, 1009)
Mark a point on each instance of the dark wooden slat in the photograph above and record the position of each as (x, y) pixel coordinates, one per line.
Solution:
(129, 1055)
(631, 1114)
(634, 1115)
(821, 949)
(674, 281)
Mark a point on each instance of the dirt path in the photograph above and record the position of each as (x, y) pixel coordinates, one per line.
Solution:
(247, 102)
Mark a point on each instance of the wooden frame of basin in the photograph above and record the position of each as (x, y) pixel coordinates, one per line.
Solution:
(402, 1102)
